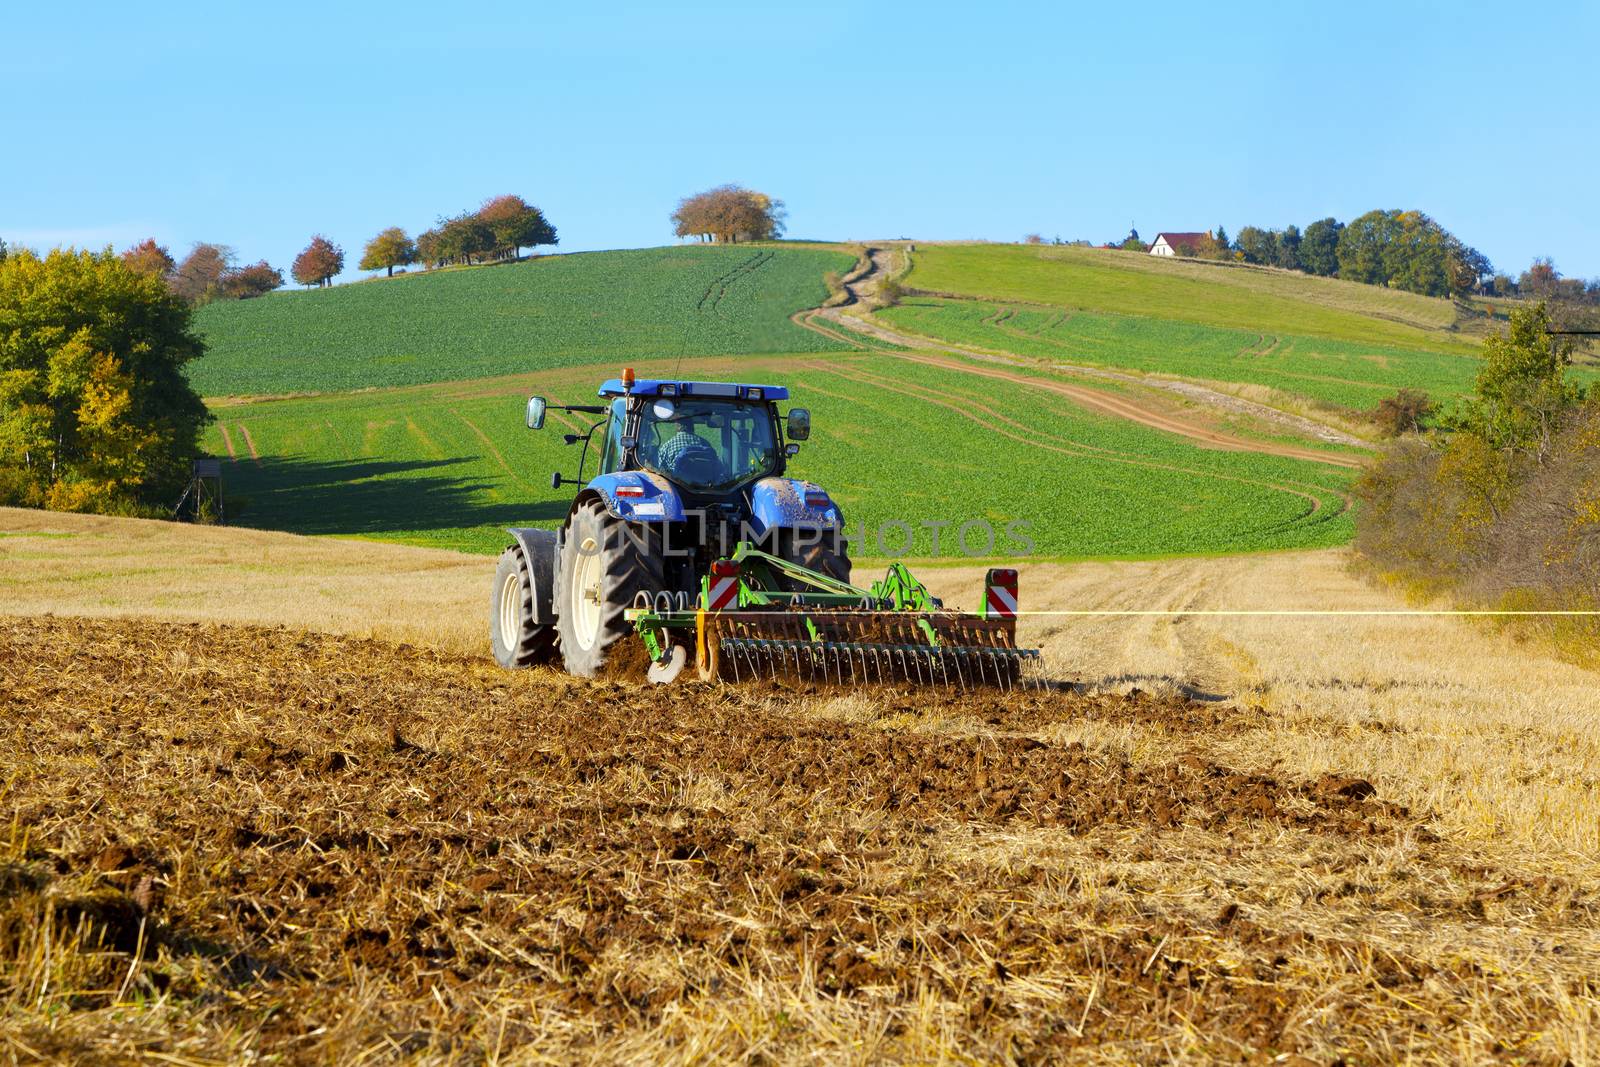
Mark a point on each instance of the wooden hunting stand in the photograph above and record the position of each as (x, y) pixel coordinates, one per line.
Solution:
(202, 498)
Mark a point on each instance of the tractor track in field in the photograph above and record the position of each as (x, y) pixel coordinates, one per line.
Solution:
(1133, 411)
(250, 443)
(499, 457)
(994, 421)
(976, 402)
(862, 330)
(712, 297)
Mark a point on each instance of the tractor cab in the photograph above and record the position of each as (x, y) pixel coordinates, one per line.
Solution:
(705, 444)
(706, 438)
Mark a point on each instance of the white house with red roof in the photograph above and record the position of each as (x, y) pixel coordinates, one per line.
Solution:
(1177, 244)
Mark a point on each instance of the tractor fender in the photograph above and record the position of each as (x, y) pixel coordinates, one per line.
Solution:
(790, 503)
(539, 550)
(635, 496)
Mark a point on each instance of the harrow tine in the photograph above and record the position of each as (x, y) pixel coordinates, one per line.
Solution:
(802, 672)
(1002, 669)
(805, 656)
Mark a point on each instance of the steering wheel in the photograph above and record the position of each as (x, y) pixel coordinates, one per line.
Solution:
(698, 466)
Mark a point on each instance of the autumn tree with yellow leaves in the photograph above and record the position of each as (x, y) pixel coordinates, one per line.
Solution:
(95, 411)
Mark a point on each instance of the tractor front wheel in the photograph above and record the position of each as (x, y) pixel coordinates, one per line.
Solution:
(605, 564)
(517, 640)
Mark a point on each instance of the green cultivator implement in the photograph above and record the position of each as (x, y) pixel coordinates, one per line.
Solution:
(762, 616)
(694, 539)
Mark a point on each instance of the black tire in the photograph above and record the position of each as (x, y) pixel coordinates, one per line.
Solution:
(517, 640)
(618, 561)
(829, 554)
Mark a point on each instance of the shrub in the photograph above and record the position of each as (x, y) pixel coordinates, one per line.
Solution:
(1505, 509)
(1402, 413)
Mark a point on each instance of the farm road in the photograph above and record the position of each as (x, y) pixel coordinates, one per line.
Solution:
(851, 320)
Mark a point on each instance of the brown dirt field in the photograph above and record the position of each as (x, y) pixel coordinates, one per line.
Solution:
(232, 842)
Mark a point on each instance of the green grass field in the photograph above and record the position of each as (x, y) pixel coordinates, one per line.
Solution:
(1349, 374)
(598, 307)
(450, 464)
(1243, 298)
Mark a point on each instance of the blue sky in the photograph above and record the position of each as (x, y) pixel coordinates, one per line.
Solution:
(257, 125)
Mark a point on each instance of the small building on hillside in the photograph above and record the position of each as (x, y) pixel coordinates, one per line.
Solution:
(1177, 244)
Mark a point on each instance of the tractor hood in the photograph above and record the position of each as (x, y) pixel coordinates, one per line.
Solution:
(776, 503)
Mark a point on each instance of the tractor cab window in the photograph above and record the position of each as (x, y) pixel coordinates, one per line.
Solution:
(611, 453)
(707, 444)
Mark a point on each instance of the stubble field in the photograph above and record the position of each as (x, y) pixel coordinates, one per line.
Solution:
(1216, 840)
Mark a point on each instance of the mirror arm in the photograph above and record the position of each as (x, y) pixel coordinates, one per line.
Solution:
(557, 480)
(583, 457)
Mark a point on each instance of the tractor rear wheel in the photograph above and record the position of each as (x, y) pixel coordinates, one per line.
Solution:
(605, 564)
(827, 553)
(517, 640)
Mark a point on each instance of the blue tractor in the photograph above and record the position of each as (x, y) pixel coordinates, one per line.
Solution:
(693, 537)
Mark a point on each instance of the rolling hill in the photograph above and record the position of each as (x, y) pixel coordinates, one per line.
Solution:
(1212, 294)
(1332, 343)
(436, 455)
(555, 311)
(1342, 373)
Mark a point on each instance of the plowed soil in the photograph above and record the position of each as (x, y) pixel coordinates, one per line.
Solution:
(232, 842)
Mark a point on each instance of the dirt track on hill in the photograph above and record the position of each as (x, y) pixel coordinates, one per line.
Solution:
(330, 849)
(844, 326)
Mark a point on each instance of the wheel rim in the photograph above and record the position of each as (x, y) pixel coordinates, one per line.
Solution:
(510, 610)
(585, 594)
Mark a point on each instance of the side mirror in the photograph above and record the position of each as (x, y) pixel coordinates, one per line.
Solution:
(799, 424)
(555, 480)
(791, 449)
(536, 413)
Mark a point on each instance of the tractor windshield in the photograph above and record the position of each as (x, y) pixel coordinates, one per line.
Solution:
(707, 444)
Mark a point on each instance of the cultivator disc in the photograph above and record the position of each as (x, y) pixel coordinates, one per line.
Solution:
(831, 632)
(846, 647)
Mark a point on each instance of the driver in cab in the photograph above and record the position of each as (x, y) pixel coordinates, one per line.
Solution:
(685, 455)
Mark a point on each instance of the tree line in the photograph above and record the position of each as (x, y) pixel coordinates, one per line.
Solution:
(1406, 250)
(497, 230)
(209, 272)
